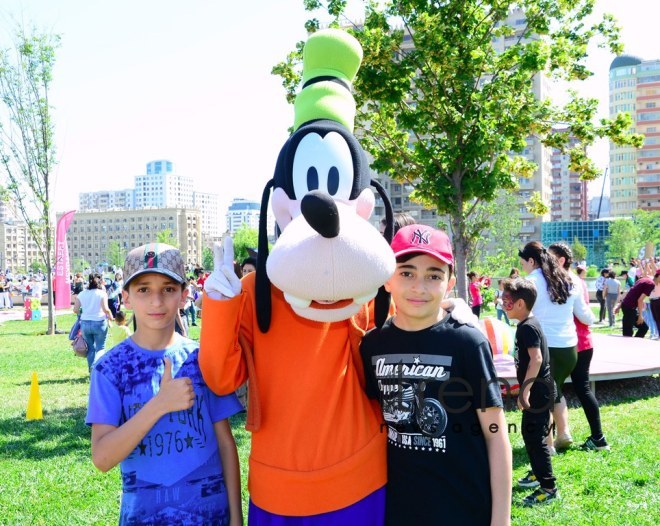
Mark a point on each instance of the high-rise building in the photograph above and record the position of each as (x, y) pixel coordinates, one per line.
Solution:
(635, 174)
(106, 199)
(243, 212)
(161, 187)
(569, 193)
(207, 204)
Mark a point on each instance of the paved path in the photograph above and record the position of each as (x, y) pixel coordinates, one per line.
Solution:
(615, 357)
(17, 313)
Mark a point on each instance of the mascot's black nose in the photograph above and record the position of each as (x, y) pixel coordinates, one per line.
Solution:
(320, 211)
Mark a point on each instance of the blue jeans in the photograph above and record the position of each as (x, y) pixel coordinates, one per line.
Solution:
(500, 313)
(190, 313)
(94, 333)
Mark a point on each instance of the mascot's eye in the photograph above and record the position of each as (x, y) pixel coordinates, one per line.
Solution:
(323, 163)
(312, 179)
(333, 180)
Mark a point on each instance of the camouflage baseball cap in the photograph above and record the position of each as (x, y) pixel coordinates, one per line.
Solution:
(154, 257)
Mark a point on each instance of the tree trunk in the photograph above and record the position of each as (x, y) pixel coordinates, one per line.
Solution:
(51, 302)
(459, 241)
(49, 267)
(460, 257)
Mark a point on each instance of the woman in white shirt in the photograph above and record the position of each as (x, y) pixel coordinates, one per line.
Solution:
(93, 302)
(556, 301)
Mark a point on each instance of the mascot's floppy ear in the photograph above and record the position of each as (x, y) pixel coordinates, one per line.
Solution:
(262, 283)
(382, 301)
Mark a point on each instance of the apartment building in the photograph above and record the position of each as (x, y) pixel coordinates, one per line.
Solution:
(634, 87)
(17, 247)
(90, 233)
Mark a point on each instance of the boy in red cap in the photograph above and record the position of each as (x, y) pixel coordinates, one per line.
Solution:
(448, 453)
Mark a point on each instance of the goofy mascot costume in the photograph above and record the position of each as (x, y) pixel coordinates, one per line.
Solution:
(293, 327)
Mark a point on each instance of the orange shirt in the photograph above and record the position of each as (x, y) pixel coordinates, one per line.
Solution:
(320, 446)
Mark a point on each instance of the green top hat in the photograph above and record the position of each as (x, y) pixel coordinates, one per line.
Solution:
(331, 59)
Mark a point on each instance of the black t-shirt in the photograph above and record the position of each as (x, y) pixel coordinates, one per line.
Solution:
(430, 384)
(529, 334)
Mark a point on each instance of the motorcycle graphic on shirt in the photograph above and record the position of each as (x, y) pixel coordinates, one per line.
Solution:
(409, 405)
(403, 381)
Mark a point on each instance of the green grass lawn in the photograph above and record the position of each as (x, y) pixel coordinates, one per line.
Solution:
(47, 478)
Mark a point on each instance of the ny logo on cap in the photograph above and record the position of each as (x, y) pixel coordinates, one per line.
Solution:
(420, 237)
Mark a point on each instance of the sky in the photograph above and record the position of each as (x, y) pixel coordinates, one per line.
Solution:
(141, 80)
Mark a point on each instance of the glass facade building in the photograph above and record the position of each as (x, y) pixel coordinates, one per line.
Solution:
(594, 235)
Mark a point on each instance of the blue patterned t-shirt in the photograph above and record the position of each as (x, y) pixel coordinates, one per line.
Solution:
(174, 475)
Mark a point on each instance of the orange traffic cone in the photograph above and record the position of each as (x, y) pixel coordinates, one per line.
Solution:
(34, 401)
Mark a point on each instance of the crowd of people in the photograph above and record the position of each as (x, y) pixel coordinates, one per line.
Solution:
(549, 304)
(638, 298)
(24, 285)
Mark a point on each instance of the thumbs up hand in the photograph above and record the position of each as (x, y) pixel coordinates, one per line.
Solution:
(223, 283)
(175, 394)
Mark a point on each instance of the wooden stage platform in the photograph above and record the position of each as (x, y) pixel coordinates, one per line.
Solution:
(615, 357)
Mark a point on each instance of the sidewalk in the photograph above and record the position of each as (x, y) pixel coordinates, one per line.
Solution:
(18, 313)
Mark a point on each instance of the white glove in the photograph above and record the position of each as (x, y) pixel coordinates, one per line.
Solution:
(223, 283)
(460, 311)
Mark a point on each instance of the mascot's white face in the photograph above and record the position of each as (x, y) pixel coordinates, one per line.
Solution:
(329, 260)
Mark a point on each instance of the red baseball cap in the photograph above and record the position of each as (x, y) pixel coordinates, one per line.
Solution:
(423, 239)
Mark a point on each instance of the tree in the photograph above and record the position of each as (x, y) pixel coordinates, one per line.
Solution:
(27, 149)
(244, 238)
(648, 222)
(37, 266)
(167, 236)
(115, 254)
(440, 108)
(624, 240)
(494, 226)
(80, 264)
(207, 259)
(579, 250)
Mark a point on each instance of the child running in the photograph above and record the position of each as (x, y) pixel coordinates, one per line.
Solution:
(448, 452)
(537, 389)
(152, 413)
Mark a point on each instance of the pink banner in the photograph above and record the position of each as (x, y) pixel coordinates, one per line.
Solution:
(61, 279)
